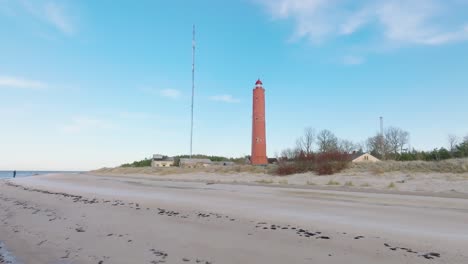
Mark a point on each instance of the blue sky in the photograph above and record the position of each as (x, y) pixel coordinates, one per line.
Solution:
(87, 84)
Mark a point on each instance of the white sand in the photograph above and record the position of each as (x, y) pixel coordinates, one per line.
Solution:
(117, 220)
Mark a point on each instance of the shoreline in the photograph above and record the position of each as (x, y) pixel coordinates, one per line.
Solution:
(6, 256)
(105, 219)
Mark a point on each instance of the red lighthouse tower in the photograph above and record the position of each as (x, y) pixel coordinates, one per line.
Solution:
(258, 126)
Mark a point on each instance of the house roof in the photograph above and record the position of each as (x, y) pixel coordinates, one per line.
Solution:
(358, 155)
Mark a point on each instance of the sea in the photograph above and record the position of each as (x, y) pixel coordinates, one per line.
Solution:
(19, 174)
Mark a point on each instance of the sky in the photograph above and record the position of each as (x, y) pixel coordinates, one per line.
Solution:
(90, 84)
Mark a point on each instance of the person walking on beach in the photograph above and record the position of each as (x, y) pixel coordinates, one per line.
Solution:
(14, 174)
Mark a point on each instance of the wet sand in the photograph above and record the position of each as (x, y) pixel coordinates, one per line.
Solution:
(103, 219)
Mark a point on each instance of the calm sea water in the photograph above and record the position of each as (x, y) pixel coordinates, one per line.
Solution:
(9, 174)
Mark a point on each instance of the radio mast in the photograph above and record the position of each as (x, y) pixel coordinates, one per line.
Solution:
(193, 90)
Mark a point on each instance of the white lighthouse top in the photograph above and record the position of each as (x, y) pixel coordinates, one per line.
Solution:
(259, 84)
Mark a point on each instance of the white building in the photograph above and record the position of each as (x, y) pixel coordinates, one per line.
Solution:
(162, 161)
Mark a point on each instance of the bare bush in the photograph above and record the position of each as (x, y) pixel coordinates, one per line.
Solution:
(306, 142)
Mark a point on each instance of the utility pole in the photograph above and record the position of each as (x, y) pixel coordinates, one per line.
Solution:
(382, 138)
(381, 126)
(193, 90)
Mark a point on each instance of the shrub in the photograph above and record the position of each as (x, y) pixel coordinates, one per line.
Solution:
(332, 182)
(326, 163)
(263, 181)
(349, 184)
(284, 182)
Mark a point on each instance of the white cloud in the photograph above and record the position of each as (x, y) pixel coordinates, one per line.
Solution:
(226, 98)
(422, 22)
(170, 93)
(352, 60)
(57, 17)
(80, 124)
(49, 12)
(21, 83)
(134, 115)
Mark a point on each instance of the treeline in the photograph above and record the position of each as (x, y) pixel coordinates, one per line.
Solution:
(140, 163)
(393, 144)
(325, 153)
(458, 151)
(147, 161)
(201, 156)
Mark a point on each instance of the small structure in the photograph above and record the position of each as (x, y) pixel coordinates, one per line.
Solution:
(195, 163)
(366, 157)
(162, 161)
(223, 163)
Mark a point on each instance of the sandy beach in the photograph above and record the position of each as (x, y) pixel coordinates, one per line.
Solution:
(85, 218)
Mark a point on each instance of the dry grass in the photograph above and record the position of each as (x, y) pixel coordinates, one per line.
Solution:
(391, 185)
(349, 184)
(332, 182)
(284, 182)
(177, 170)
(264, 181)
(445, 166)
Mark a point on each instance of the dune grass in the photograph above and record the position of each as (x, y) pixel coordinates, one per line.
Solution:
(178, 170)
(444, 166)
(332, 182)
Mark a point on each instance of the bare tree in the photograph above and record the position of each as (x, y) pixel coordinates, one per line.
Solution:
(347, 146)
(395, 139)
(306, 142)
(392, 139)
(377, 145)
(403, 139)
(289, 154)
(453, 142)
(327, 141)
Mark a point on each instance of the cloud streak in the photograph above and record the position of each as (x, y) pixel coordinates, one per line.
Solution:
(81, 124)
(352, 60)
(57, 17)
(170, 93)
(417, 22)
(51, 13)
(20, 83)
(226, 98)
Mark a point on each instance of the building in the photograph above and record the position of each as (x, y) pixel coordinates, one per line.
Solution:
(366, 157)
(194, 163)
(223, 163)
(162, 161)
(258, 126)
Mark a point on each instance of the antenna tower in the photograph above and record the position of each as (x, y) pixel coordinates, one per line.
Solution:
(193, 90)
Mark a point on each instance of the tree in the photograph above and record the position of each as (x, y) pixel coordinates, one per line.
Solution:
(289, 154)
(347, 146)
(305, 143)
(453, 142)
(395, 139)
(403, 139)
(377, 146)
(327, 141)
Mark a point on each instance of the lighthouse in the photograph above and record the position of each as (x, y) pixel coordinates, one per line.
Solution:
(258, 126)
